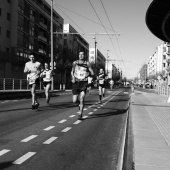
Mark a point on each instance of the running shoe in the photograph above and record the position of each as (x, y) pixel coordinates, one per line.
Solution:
(80, 117)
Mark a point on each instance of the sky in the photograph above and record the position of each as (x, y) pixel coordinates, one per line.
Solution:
(133, 43)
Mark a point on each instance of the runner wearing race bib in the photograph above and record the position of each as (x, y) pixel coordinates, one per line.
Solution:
(47, 75)
(81, 69)
(101, 83)
(33, 70)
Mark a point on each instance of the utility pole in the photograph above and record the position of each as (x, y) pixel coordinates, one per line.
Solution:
(95, 43)
(107, 63)
(52, 57)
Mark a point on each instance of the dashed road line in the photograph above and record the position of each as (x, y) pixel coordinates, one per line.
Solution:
(94, 110)
(29, 138)
(66, 129)
(85, 109)
(72, 115)
(84, 117)
(90, 113)
(52, 139)
(62, 121)
(24, 158)
(4, 151)
(77, 122)
(98, 107)
(49, 128)
(5, 101)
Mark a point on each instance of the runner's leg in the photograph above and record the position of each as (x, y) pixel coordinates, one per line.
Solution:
(82, 97)
(47, 92)
(100, 93)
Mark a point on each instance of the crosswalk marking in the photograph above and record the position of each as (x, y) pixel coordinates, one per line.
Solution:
(29, 138)
(24, 158)
(95, 110)
(62, 121)
(4, 151)
(49, 128)
(66, 129)
(50, 140)
(90, 113)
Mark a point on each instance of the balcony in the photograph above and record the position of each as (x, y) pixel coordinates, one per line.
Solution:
(43, 25)
(42, 38)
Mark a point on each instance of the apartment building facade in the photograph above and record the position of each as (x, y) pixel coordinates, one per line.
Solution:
(25, 27)
(157, 63)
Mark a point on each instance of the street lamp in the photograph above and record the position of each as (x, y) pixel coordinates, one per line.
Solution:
(95, 43)
(107, 63)
(52, 59)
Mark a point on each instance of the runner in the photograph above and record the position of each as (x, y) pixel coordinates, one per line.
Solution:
(81, 69)
(111, 84)
(101, 83)
(33, 70)
(47, 75)
(90, 82)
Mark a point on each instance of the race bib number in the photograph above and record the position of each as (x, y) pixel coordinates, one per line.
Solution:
(101, 81)
(80, 73)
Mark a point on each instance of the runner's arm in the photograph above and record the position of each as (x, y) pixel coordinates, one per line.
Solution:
(26, 70)
(72, 72)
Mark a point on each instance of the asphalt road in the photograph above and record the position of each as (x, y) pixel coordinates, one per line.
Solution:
(52, 138)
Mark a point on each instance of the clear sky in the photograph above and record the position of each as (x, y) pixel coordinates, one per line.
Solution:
(127, 17)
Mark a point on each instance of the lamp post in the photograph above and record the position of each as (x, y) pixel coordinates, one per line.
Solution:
(52, 58)
(107, 63)
(95, 43)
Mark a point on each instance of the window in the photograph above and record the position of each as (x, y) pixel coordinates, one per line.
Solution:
(8, 34)
(0, 30)
(8, 16)
(164, 57)
(65, 42)
(0, 11)
(32, 14)
(7, 50)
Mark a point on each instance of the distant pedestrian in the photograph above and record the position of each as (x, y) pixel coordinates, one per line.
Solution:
(33, 69)
(101, 83)
(47, 76)
(111, 82)
(81, 69)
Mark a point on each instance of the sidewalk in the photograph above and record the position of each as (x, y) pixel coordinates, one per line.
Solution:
(151, 130)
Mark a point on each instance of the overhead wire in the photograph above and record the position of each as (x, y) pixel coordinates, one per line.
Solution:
(113, 31)
(103, 27)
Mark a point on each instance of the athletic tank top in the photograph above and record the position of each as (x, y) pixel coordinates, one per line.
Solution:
(102, 78)
(81, 71)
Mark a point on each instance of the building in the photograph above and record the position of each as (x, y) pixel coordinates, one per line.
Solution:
(25, 27)
(157, 63)
(97, 60)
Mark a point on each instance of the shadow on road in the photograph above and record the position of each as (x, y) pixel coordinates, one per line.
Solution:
(5, 165)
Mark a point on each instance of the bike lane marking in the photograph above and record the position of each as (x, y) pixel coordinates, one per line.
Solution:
(24, 158)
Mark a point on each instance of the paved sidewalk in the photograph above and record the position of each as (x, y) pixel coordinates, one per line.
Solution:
(151, 129)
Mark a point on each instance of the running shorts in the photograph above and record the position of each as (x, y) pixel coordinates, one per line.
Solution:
(79, 86)
(102, 85)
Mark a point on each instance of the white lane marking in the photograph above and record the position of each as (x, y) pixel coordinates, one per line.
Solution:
(14, 100)
(5, 101)
(95, 110)
(62, 121)
(98, 107)
(90, 113)
(4, 151)
(24, 158)
(77, 122)
(49, 128)
(52, 139)
(72, 115)
(78, 112)
(29, 138)
(101, 105)
(85, 109)
(84, 117)
(90, 106)
(66, 129)
(126, 93)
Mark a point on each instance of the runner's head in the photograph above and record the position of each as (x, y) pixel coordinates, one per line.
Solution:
(46, 65)
(101, 70)
(32, 57)
(81, 55)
